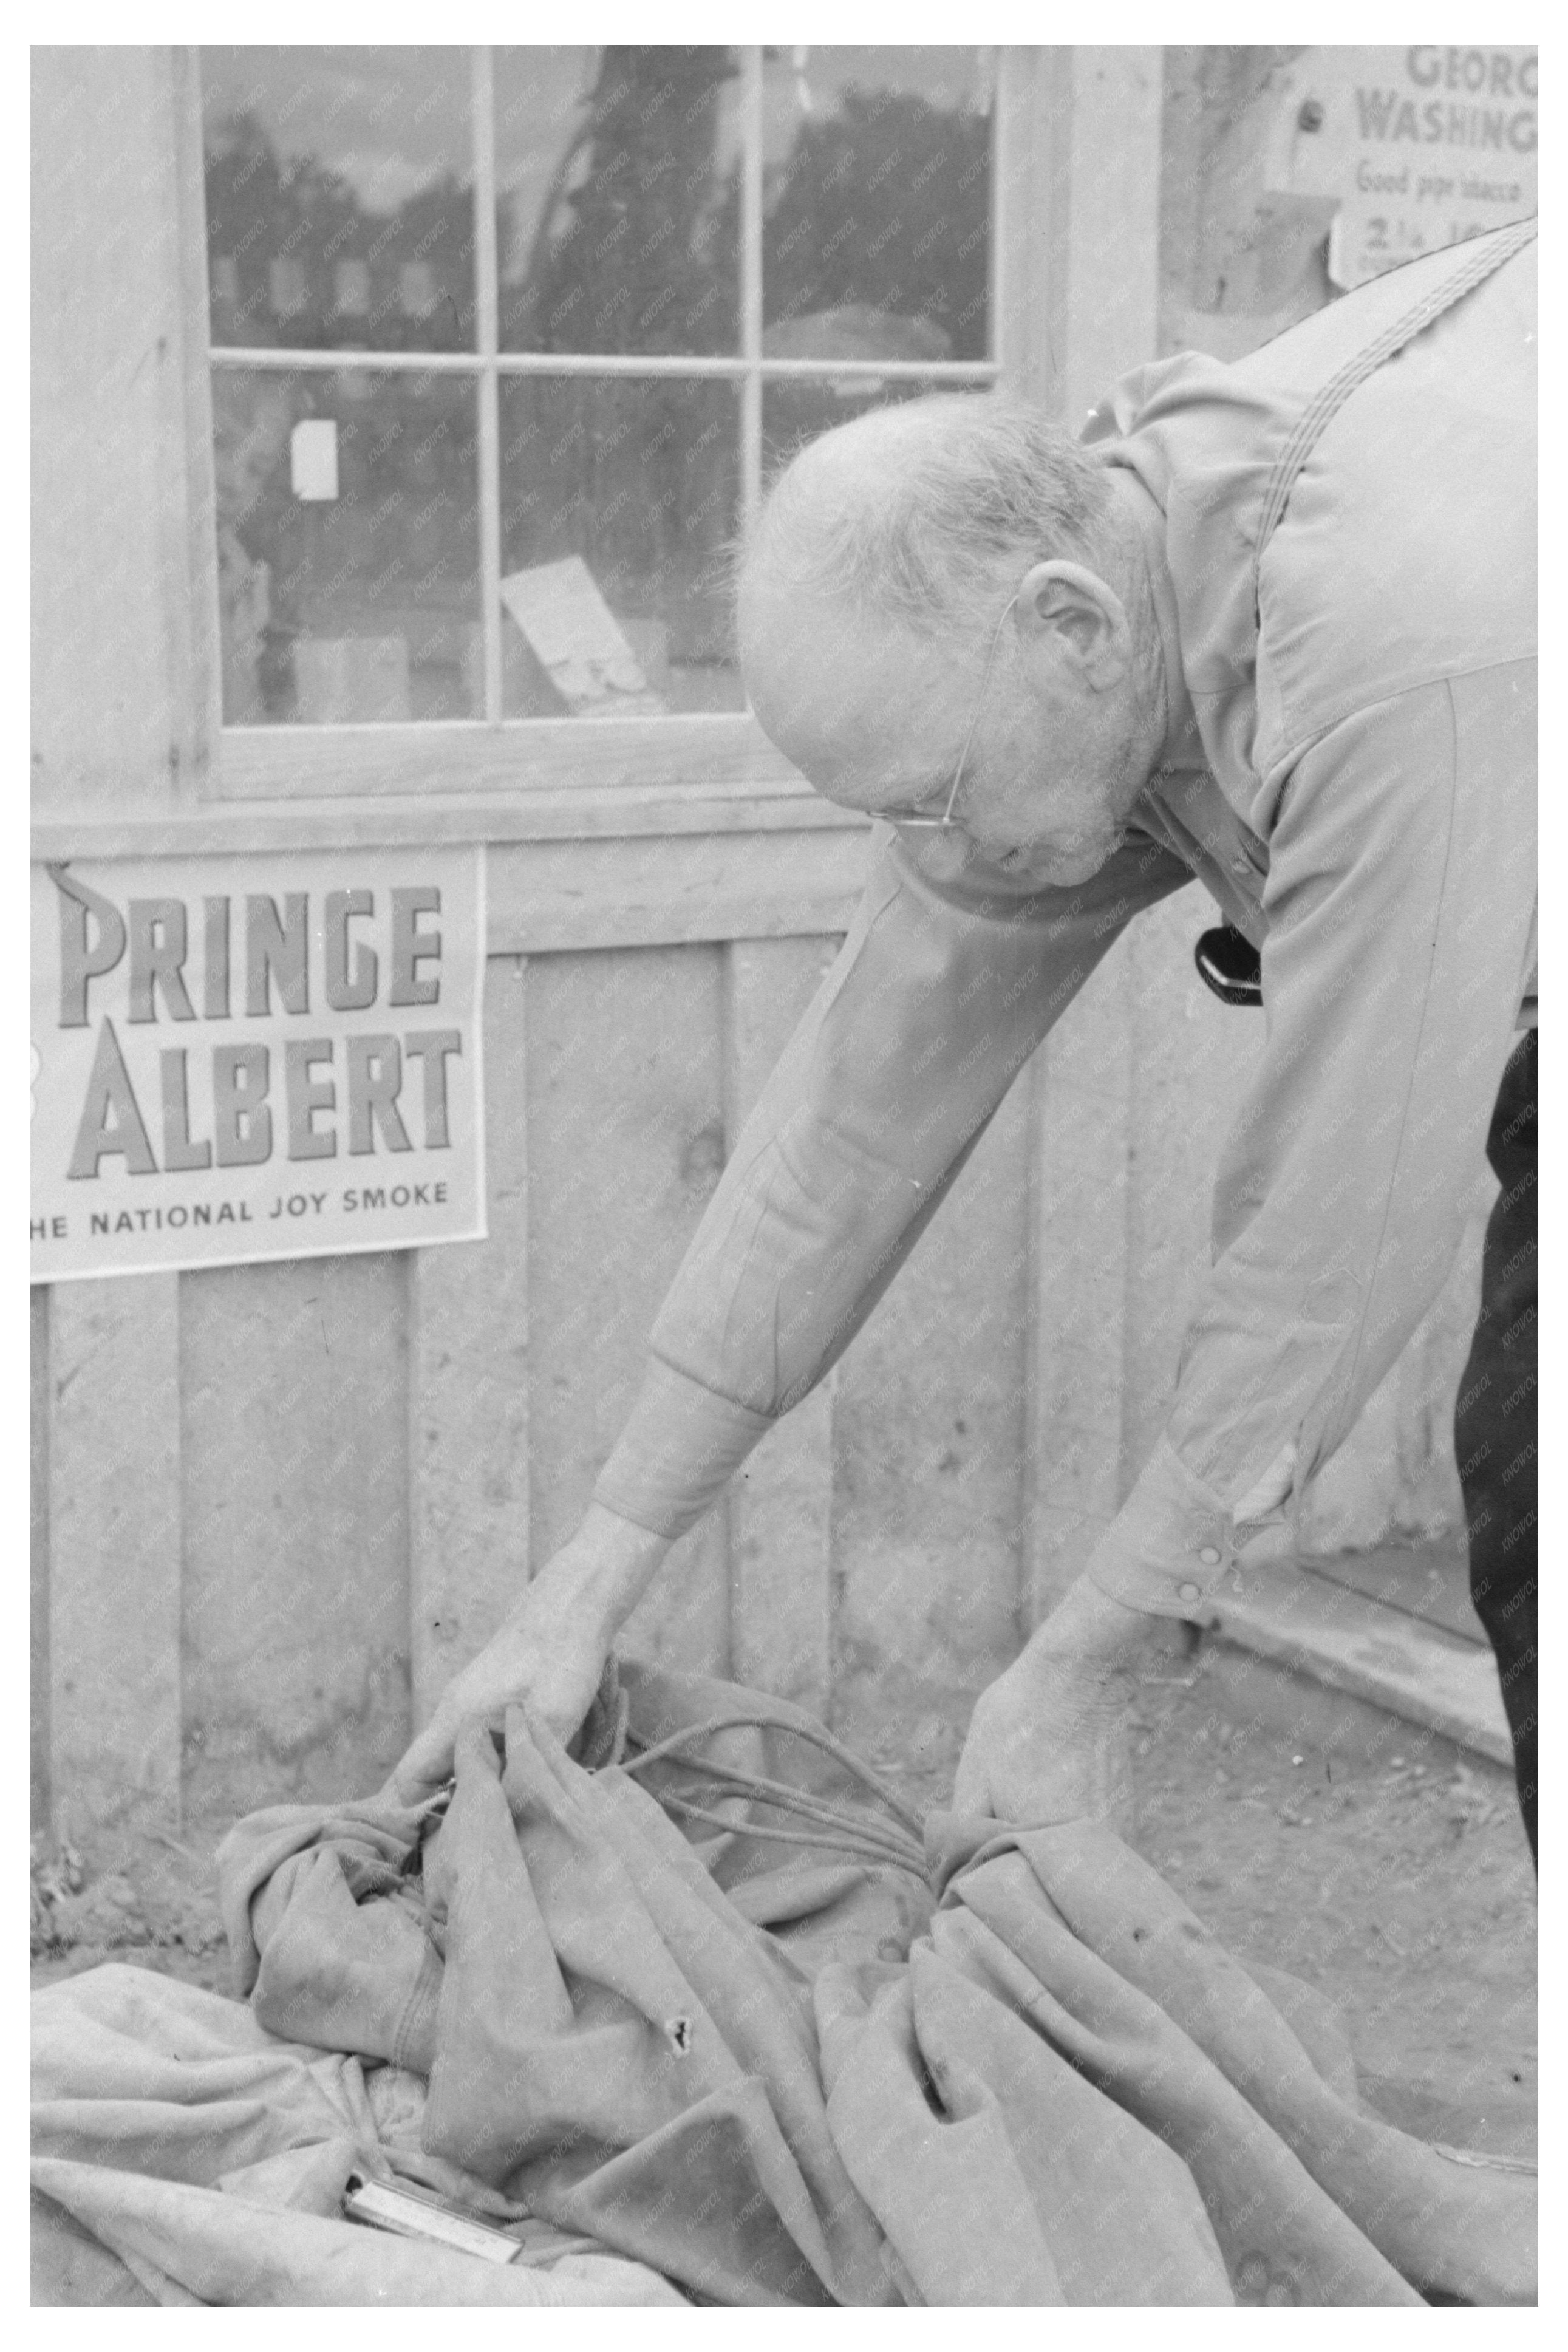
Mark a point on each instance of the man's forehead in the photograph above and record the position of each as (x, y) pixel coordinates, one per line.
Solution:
(859, 713)
(832, 664)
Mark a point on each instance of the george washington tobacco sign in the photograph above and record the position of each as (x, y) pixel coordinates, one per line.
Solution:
(1422, 147)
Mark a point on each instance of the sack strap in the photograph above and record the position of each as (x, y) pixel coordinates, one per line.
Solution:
(1326, 403)
(833, 1828)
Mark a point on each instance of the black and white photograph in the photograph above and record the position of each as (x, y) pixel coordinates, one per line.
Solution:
(782, 1161)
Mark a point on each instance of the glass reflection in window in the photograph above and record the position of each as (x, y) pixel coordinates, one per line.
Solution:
(876, 197)
(348, 546)
(618, 204)
(339, 197)
(619, 507)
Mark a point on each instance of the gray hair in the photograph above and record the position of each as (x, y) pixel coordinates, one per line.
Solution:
(972, 488)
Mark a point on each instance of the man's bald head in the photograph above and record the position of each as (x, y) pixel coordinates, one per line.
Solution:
(950, 591)
(914, 514)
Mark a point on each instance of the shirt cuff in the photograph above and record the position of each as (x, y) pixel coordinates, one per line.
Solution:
(1169, 1545)
(680, 1446)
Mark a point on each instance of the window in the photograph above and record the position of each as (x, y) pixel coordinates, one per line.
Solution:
(504, 344)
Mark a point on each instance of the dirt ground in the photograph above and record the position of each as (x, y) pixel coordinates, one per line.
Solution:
(1385, 1867)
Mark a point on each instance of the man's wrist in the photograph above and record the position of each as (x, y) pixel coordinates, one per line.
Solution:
(598, 1579)
(1089, 1631)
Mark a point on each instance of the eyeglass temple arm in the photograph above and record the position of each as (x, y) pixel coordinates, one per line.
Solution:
(979, 707)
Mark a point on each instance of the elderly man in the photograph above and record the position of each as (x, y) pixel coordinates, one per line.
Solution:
(1269, 624)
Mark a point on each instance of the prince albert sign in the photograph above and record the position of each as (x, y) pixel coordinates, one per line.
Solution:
(254, 1057)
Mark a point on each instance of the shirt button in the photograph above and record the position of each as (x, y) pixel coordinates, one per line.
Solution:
(1209, 1556)
(1188, 1592)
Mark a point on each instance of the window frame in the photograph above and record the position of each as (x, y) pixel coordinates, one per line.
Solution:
(678, 754)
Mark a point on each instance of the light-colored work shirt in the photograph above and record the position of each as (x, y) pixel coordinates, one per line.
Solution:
(1354, 784)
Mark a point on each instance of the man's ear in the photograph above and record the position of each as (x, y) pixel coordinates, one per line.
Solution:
(1067, 610)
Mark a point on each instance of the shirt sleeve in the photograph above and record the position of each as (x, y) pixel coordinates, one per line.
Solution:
(935, 1002)
(1399, 904)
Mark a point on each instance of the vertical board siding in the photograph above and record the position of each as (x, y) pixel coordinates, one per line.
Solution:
(117, 712)
(1192, 1061)
(781, 1500)
(296, 1477)
(1081, 1115)
(928, 1447)
(358, 1460)
(625, 1075)
(265, 1496)
(1396, 1479)
(1110, 299)
(1240, 259)
(39, 1556)
(1031, 217)
(469, 1383)
(114, 1547)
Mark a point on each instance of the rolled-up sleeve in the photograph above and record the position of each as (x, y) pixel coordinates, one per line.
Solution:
(936, 1001)
(1399, 905)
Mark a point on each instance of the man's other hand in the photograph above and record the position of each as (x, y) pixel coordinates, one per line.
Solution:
(550, 1652)
(1048, 1739)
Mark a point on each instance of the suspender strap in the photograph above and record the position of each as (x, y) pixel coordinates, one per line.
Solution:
(1326, 403)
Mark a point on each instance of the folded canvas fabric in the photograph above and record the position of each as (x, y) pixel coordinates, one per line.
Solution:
(690, 2006)
(185, 2155)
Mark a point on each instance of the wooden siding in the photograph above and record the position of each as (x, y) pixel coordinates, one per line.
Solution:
(780, 1504)
(468, 1389)
(293, 1475)
(113, 1450)
(625, 1094)
(39, 1560)
(276, 1506)
(284, 1502)
(928, 1447)
(121, 449)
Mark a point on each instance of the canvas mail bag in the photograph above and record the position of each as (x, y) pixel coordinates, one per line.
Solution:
(654, 2009)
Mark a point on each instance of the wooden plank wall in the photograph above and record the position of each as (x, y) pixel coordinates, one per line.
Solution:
(120, 653)
(113, 1451)
(276, 1505)
(469, 1388)
(294, 1473)
(780, 1505)
(38, 1791)
(928, 1455)
(280, 1503)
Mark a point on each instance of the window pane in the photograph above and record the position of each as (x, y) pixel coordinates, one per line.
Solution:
(796, 410)
(877, 202)
(619, 199)
(339, 197)
(348, 546)
(619, 501)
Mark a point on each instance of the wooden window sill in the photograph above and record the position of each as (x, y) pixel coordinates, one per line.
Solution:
(602, 865)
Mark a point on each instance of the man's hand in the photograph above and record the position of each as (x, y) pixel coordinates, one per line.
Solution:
(1047, 1740)
(551, 1651)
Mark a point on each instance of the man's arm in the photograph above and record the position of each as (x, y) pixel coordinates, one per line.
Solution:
(936, 1001)
(1400, 899)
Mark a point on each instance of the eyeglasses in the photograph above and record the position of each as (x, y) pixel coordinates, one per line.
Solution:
(922, 819)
